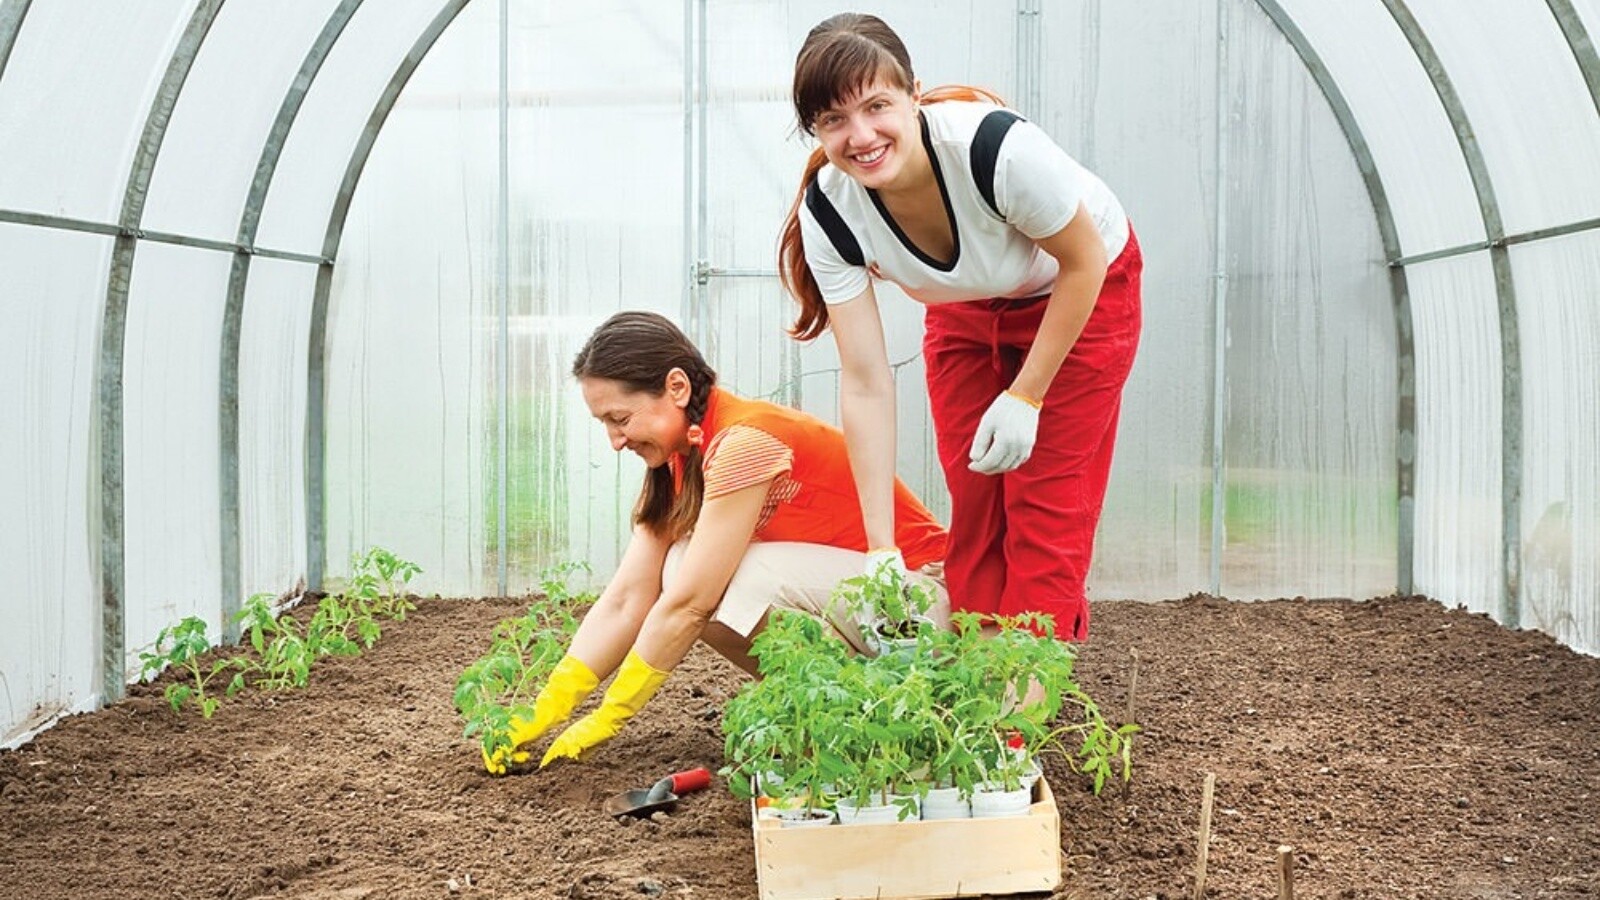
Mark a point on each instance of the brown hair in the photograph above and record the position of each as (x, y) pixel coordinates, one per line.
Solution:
(639, 350)
(842, 55)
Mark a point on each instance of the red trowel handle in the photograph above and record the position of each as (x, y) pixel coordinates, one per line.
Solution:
(691, 780)
(679, 783)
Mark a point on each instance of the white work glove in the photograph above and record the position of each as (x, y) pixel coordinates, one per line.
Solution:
(1005, 435)
(885, 556)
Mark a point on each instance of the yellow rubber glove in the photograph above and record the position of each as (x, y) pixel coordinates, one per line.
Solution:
(636, 682)
(570, 683)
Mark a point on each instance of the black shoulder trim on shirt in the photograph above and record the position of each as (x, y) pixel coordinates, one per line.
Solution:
(986, 152)
(833, 225)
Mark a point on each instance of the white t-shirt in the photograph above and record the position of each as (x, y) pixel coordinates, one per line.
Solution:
(1037, 187)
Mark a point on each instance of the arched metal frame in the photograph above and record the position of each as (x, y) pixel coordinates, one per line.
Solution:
(1506, 295)
(113, 330)
(1582, 46)
(233, 314)
(127, 232)
(1405, 350)
(316, 399)
(12, 12)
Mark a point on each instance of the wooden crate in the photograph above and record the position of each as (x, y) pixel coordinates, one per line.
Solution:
(909, 860)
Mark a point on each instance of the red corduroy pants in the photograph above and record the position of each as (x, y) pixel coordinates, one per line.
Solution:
(1022, 541)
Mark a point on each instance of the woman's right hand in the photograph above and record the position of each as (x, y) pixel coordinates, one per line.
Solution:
(571, 682)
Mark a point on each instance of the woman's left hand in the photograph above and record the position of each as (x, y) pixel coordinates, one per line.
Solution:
(1005, 435)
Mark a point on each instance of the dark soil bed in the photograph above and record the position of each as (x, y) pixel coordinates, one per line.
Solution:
(1404, 750)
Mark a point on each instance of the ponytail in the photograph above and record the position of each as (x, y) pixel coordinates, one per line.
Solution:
(793, 270)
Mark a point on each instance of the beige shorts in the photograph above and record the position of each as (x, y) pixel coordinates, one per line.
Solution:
(801, 577)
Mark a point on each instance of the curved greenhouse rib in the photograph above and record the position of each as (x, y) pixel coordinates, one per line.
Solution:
(316, 393)
(1506, 296)
(113, 329)
(12, 12)
(1405, 350)
(1583, 51)
(1582, 45)
(233, 313)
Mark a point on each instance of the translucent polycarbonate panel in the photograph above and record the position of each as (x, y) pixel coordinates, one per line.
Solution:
(76, 92)
(1130, 90)
(1458, 509)
(50, 300)
(414, 399)
(597, 217)
(222, 117)
(1309, 490)
(1559, 329)
(171, 517)
(1530, 109)
(272, 425)
(330, 122)
(1398, 111)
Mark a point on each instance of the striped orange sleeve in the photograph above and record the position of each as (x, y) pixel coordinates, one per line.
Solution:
(742, 456)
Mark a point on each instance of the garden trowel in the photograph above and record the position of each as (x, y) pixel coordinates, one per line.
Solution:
(660, 796)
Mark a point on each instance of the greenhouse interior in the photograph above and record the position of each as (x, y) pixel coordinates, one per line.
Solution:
(288, 281)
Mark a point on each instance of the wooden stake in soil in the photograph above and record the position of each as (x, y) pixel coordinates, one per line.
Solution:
(1133, 688)
(1133, 685)
(1285, 872)
(1205, 837)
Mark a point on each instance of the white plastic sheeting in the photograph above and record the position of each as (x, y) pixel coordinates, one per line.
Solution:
(1458, 557)
(332, 118)
(51, 605)
(1101, 62)
(1559, 306)
(1309, 442)
(76, 92)
(1398, 111)
(272, 426)
(1530, 110)
(222, 117)
(169, 440)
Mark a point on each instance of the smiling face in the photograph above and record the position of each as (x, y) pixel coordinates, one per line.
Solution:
(654, 426)
(874, 136)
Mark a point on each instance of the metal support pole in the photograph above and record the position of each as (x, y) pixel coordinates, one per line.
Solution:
(1219, 314)
(503, 297)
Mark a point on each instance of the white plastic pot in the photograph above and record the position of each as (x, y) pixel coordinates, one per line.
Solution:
(945, 803)
(883, 645)
(850, 814)
(993, 802)
(803, 818)
(1032, 776)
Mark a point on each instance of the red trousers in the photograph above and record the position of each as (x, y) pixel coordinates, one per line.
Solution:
(1022, 541)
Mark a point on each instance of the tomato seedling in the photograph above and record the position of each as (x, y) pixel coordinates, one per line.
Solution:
(181, 646)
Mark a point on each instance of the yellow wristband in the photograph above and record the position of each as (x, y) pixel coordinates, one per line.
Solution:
(883, 550)
(1036, 404)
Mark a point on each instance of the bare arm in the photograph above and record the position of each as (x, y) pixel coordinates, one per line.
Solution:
(866, 403)
(613, 623)
(1081, 254)
(721, 536)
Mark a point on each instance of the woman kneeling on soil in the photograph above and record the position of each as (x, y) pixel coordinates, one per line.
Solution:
(748, 506)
